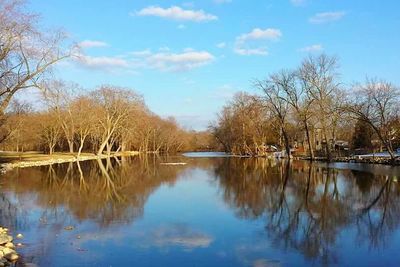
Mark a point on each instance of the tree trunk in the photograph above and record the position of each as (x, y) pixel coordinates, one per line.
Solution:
(391, 153)
(286, 141)
(51, 149)
(123, 146)
(309, 140)
(328, 150)
(327, 143)
(71, 146)
(82, 142)
(108, 148)
(103, 146)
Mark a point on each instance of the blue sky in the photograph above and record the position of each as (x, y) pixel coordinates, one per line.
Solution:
(187, 58)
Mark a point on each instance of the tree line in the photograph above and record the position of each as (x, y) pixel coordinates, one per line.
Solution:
(310, 108)
(105, 119)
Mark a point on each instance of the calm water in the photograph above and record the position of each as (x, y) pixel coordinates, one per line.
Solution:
(213, 211)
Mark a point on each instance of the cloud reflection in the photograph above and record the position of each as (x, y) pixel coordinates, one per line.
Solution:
(179, 235)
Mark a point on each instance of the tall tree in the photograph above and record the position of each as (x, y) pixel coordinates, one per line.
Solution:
(82, 110)
(59, 96)
(377, 104)
(362, 136)
(51, 131)
(274, 92)
(244, 126)
(26, 52)
(296, 95)
(113, 107)
(320, 78)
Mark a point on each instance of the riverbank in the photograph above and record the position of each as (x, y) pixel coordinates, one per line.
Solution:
(367, 159)
(12, 160)
(8, 255)
(358, 159)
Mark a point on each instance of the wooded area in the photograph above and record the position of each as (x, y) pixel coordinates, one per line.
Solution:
(107, 119)
(100, 120)
(310, 110)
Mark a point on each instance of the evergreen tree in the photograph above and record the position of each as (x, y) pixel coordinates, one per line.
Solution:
(362, 135)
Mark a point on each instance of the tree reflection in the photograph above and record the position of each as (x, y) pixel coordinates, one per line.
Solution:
(307, 205)
(380, 215)
(105, 191)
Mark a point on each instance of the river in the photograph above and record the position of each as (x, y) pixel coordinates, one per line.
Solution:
(212, 211)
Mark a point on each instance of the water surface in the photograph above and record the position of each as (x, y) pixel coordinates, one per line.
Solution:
(213, 211)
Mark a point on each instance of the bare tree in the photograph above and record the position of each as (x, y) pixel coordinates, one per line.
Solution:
(59, 96)
(51, 131)
(244, 126)
(301, 101)
(295, 94)
(13, 129)
(319, 78)
(82, 110)
(377, 104)
(26, 53)
(114, 105)
(274, 89)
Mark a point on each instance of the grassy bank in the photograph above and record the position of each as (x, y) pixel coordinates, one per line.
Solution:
(10, 160)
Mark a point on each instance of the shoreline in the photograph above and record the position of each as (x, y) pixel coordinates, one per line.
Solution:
(56, 158)
(35, 159)
(8, 255)
(357, 159)
(382, 160)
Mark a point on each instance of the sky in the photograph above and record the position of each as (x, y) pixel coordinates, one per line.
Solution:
(188, 58)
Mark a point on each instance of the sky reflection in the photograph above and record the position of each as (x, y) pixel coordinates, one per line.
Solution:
(210, 212)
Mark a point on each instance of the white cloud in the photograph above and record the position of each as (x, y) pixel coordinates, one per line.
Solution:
(187, 60)
(326, 17)
(312, 48)
(177, 13)
(179, 236)
(261, 51)
(259, 34)
(222, 1)
(103, 62)
(163, 59)
(181, 27)
(242, 46)
(221, 45)
(91, 43)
